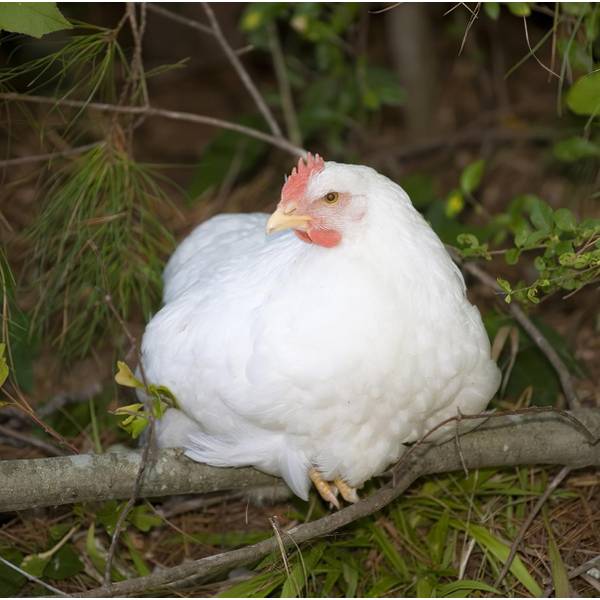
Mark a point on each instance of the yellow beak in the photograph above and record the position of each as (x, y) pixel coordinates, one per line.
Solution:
(280, 220)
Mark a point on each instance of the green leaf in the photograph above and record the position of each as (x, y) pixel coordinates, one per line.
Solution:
(468, 240)
(500, 550)
(583, 97)
(35, 564)
(504, 285)
(471, 176)
(137, 558)
(541, 216)
(437, 538)
(575, 148)
(125, 377)
(294, 585)
(389, 551)
(3, 365)
(143, 519)
(560, 577)
(32, 18)
(466, 585)
(492, 10)
(351, 576)
(64, 564)
(565, 219)
(512, 256)
(519, 9)
(532, 295)
(11, 581)
(257, 587)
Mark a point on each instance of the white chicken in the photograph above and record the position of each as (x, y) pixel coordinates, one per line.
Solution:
(316, 354)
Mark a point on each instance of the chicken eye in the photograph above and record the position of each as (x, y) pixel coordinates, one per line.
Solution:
(331, 198)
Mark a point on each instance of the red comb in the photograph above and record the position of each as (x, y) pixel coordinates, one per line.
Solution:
(295, 184)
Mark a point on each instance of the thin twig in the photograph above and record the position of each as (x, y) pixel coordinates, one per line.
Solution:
(20, 402)
(457, 442)
(534, 333)
(134, 496)
(148, 442)
(539, 62)
(285, 90)
(192, 23)
(474, 15)
(584, 568)
(174, 115)
(529, 520)
(30, 440)
(241, 71)
(34, 578)
(13, 162)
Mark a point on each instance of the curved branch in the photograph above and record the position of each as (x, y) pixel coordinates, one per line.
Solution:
(150, 111)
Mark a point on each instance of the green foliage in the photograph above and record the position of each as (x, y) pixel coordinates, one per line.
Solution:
(98, 243)
(228, 154)
(413, 547)
(566, 251)
(471, 176)
(11, 581)
(137, 415)
(584, 95)
(84, 65)
(333, 87)
(32, 18)
(3, 365)
(576, 148)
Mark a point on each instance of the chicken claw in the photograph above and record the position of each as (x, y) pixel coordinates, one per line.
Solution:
(325, 490)
(348, 493)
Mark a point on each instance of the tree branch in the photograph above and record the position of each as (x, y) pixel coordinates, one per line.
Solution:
(174, 115)
(168, 14)
(506, 441)
(22, 160)
(241, 71)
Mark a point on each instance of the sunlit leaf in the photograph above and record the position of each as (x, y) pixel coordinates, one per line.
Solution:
(125, 377)
(471, 176)
(32, 18)
(583, 97)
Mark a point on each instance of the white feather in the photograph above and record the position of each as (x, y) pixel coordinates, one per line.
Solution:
(288, 355)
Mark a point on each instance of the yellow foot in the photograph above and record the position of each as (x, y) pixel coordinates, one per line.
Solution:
(325, 490)
(348, 493)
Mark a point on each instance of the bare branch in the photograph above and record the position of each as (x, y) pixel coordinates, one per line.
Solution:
(285, 90)
(23, 160)
(192, 23)
(241, 71)
(30, 440)
(174, 115)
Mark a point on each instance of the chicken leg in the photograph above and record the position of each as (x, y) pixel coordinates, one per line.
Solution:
(348, 493)
(326, 491)
(329, 490)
